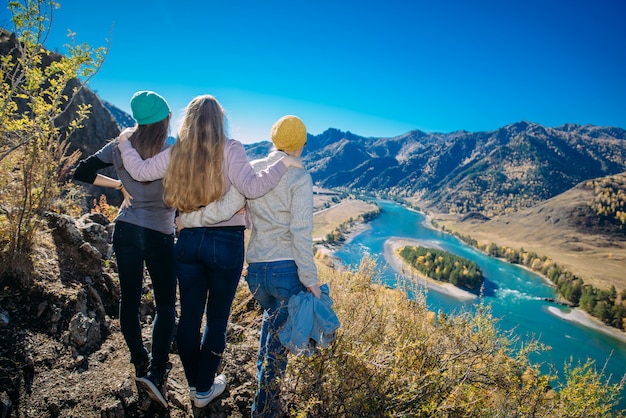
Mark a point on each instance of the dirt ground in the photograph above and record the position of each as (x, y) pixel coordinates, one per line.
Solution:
(45, 372)
(61, 382)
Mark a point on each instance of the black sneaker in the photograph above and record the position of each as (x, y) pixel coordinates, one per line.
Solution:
(154, 388)
(141, 368)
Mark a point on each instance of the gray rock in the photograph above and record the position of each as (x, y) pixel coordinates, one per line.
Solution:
(84, 331)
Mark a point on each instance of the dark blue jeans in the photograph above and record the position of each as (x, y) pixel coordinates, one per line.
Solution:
(134, 246)
(272, 284)
(209, 263)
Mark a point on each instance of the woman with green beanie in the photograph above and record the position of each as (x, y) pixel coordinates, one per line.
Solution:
(144, 233)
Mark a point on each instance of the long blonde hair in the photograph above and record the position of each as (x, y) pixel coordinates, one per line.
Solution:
(194, 176)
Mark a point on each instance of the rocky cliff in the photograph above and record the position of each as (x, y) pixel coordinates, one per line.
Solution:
(61, 350)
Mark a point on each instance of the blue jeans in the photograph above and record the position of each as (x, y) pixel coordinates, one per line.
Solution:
(133, 246)
(272, 284)
(209, 263)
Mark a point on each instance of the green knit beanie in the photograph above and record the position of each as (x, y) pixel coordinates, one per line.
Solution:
(148, 107)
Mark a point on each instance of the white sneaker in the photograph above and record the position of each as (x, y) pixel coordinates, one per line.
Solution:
(202, 400)
(192, 393)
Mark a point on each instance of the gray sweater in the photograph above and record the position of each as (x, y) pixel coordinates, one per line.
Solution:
(282, 220)
(148, 209)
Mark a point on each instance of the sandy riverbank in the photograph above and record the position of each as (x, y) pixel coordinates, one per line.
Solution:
(326, 250)
(396, 262)
(581, 317)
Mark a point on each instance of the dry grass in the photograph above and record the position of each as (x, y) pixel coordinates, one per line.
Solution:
(326, 220)
(394, 358)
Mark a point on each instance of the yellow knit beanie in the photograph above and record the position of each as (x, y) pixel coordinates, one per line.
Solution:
(289, 133)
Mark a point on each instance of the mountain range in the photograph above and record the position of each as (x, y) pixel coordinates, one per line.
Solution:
(491, 173)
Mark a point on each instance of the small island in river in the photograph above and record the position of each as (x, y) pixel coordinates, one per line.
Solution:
(391, 252)
(443, 266)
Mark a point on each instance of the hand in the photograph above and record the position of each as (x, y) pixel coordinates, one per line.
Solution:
(315, 289)
(179, 224)
(125, 134)
(291, 161)
(126, 203)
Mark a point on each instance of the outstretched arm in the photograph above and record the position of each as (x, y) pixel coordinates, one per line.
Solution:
(215, 212)
(250, 183)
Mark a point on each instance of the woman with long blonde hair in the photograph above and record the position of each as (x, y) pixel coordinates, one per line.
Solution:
(281, 266)
(201, 168)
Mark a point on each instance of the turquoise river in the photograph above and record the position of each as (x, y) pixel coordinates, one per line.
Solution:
(516, 295)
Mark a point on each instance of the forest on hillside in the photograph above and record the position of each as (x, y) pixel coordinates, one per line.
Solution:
(610, 198)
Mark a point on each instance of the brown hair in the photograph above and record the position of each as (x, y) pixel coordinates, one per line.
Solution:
(149, 139)
(195, 176)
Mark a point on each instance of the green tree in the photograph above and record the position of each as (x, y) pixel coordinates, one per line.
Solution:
(619, 313)
(36, 89)
(587, 299)
(602, 311)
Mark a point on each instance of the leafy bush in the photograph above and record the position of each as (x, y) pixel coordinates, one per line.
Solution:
(36, 89)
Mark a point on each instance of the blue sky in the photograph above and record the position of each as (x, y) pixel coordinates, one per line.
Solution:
(372, 68)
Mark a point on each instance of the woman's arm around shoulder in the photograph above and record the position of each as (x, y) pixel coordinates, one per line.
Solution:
(215, 212)
(250, 183)
(144, 170)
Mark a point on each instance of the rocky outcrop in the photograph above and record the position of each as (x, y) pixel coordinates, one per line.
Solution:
(61, 349)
